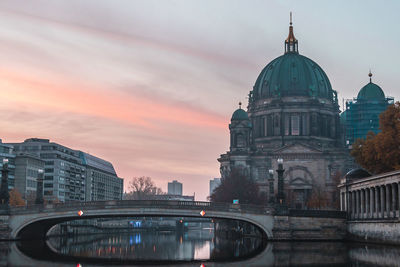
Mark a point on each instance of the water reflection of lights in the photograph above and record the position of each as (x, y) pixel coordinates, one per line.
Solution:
(138, 239)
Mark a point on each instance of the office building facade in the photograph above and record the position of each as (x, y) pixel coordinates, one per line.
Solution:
(66, 172)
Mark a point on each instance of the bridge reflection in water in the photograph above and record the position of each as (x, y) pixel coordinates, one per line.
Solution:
(274, 254)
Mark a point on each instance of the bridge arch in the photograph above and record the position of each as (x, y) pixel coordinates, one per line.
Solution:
(35, 225)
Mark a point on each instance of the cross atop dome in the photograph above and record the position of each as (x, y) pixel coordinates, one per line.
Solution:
(370, 76)
(291, 43)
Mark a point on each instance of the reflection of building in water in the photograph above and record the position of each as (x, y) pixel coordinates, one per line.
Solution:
(134, 246)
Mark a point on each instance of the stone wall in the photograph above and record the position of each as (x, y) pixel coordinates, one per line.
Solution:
(5, 230)
(308, 228)
(387, 232)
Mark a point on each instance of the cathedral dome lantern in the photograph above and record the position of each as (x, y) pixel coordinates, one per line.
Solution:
(291, 43)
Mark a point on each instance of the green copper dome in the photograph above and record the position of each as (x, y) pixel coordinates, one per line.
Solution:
(292, 75)
(371, 92)
(240, 114)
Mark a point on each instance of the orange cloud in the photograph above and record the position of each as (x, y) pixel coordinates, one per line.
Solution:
(84, 99)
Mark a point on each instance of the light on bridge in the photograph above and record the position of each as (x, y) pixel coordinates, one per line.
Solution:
(202, 213)
(80, 213)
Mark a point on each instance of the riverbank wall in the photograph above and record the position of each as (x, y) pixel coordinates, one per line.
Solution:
(297, 228)
(5, 230)
(385, 232)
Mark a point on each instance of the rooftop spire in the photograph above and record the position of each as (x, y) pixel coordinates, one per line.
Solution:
(291, 42)
(240, 105)
(370, 75)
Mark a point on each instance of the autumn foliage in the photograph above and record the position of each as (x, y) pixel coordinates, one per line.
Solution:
(237, 186)
(381, 152)
(16, 198)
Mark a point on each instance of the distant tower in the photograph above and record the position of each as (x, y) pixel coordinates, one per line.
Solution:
(175, 188)
(362, 113)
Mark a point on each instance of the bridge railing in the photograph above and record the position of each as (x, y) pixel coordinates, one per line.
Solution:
(173, 204)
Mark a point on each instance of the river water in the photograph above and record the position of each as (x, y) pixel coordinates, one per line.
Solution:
(198, 245)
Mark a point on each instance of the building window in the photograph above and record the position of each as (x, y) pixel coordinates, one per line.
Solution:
(287, 125)
(295, 127)
(304, 130)
(263, 125)
(276, 121)
(240, 142)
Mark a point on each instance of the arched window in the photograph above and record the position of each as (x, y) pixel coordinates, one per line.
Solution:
(295, 124)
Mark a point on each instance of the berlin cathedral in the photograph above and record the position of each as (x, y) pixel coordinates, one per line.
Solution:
(292, 114)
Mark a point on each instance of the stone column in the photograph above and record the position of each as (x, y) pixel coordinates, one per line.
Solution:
(353, 204)
(362, 204)
(377, 206)
(398, 198)
(371, 202)
(382, 198)
(367, 202)
(357, 204)
(387, 189)
(393, 200)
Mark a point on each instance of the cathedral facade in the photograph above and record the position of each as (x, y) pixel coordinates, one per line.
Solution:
(292, 114)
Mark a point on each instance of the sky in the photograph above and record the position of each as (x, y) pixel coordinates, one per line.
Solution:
(151, 85)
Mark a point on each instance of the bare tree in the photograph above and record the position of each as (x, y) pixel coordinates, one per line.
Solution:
(237, 186)
(142, 188)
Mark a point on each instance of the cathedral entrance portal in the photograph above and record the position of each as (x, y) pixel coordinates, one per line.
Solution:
(299, 186)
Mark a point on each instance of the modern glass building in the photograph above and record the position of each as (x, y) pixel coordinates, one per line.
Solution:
(362, 113)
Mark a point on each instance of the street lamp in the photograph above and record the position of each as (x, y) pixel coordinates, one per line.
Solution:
(4, 195)
(39, 187)
(271, 186)
(280, 170)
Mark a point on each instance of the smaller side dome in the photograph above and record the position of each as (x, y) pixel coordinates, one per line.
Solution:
(371, 91)
(240, 115)
(357, 174)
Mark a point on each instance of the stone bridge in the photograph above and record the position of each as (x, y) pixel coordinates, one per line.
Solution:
(33, 222)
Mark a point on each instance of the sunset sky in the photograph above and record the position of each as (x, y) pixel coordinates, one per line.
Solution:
(151, 85)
